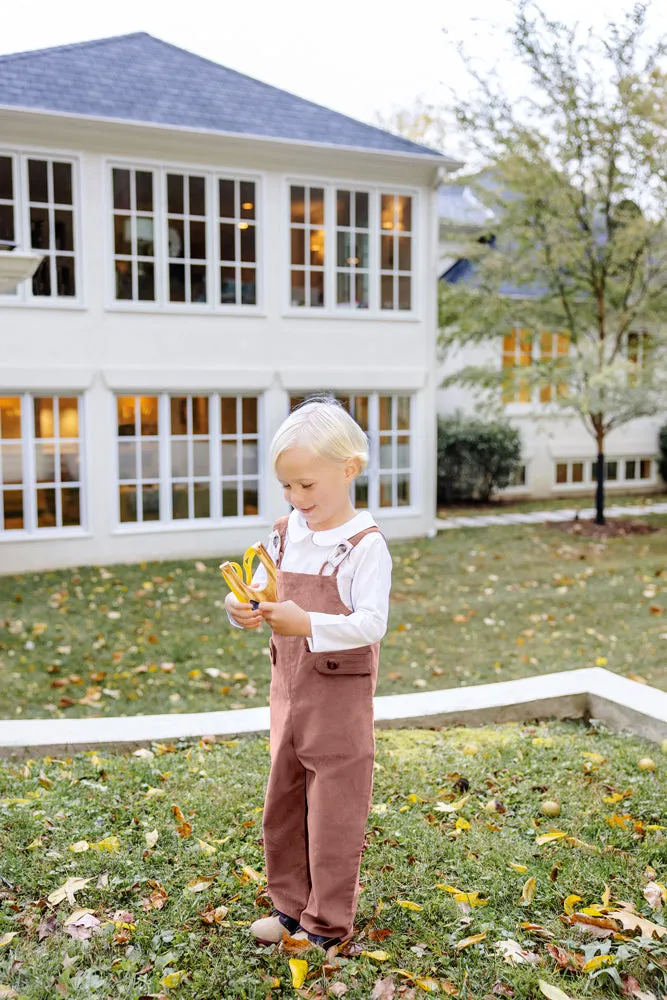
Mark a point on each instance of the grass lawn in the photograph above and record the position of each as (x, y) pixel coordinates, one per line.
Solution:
(167, 848)
(468, 607)
(512, 505)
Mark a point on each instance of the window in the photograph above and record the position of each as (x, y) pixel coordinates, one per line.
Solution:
(522, 350)
(40, 463)
(134, 234)
(238, 242)
(519, 478)
(618, 471)
(387, 422)
(37, 211)
(638, 352)
(187, 457)
(184, 238)
(307, 222)
(352, 249)
(395, 251)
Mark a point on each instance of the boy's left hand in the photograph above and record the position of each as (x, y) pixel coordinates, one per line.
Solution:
(285, 617)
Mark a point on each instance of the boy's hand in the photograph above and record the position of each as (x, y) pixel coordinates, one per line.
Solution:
(285, 617)
(243, 614)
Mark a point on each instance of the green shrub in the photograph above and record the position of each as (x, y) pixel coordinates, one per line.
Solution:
(475, 457)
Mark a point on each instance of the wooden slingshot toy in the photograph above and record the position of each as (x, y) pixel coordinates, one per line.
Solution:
(240, 588)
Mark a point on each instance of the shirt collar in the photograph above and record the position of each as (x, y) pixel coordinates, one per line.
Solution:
(297, 529)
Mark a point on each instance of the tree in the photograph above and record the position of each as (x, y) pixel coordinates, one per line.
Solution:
(573, 280)
(422, 123)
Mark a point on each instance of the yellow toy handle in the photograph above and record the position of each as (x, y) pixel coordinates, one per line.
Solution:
(233, 577)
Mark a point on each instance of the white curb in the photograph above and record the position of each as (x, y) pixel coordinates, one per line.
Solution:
(593, 692)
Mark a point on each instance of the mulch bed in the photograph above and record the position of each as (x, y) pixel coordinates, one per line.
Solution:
(614, 528)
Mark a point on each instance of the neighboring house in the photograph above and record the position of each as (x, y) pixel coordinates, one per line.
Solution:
(214, 249)
(558, 452)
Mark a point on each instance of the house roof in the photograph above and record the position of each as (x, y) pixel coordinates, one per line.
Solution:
(458, 206)
(140, 78)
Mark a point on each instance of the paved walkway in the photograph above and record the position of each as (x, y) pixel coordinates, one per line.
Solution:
(540, 516)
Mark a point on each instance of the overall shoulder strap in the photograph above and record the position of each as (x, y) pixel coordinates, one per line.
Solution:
(346, 547)
(281, 527)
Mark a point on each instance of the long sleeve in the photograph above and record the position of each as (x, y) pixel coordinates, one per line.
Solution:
(369, 595)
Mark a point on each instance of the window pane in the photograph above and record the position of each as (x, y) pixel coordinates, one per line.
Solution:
(11, 464)
(248, 200)
(403, 451)
(577, 472)
(402, 491)
(200, 458)
(127, 460)
(317, 247)
(248, 286)
(41, 282)
(175, 201)
(149, 416)
(46, 508)
(227, 200)
(121, 189)
(122, 228)
(12, 503)
(68, 412)
(198, 283)
(386, 499)
(179, 414)
(145, 244)
(645, 468)
(361, 249)
(62, 183)
(229, 458)
(248, 244)
(198, 240)
(612, 471)
(197, 196)
(228, 414)
(44, 425)
(179, 459)
(343, 288)
(6, 223)
(361, 286)
(123, 270)
(10, 417)
(150, 460)
(386, 252)
(200, 414)
(177, 282)
(250, 458)
(150, 499)
(317, 206)
(6, 178)
(176, 238)
(385, 413)
(179, 501)
(71, 512)
(361, 493)
(250, 500)
(361, 411)
(404, 253)
(202, 500)
(230, 504)
(361, 210)
(146, 281)
(631, 470)
(227, 285)
(40, 237)
(561, 472)
(344, 249)
(65, 275)
(227, 242)
(144, 190)
(249, 414)
(343, 208)
(38, 185)
(403, 414)
(404, 292)
(125, 412)
(386, 452)
(128, 503)
(297, 238)
(317, 288)
(298, 296)
(404, 212)
(387, 211)
(297, 201)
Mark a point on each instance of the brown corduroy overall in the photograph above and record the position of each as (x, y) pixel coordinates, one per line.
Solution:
(322, 745)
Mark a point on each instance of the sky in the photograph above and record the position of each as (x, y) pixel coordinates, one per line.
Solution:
(356, 56)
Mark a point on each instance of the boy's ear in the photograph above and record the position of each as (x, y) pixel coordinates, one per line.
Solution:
(352, 467)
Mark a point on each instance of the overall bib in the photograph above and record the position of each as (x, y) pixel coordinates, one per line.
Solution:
(322, 745)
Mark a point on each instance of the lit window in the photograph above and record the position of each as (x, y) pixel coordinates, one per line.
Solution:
(554, 348)
(307, 252)
(638, 352)
(190, 457)
(237, 213)
(239, 450)
(395, 251)
(186, 238)
(352, 249)
(517, 356)
(138, 458)
(40, 462)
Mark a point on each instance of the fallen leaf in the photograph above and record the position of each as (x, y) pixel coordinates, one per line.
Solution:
(474, 939)
(7, 993)
(528, 892)
(384, 989)
(547, 838)
(173, 979)
(514, 954)
(67, 891)
(596, 963)
(7, 938)
(630, 921)
(407, 905)
(655, 894)
(569, 906)
(183, 828)
(377, 956)
(201, 882)
(552, 992)
(111, 844)
(299, 969)
(152, 838)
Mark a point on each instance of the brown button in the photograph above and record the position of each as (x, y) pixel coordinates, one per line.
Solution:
(332, 665)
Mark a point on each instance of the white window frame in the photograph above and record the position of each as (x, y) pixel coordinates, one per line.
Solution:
(589, 464)
(23, 295)
(373, 471)
(534, 403)
(166, 521)
(330, 309)
(212, 174)
(29, 485)
(353, 230)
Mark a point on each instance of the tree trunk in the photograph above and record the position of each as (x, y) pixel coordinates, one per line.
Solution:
(599, 492)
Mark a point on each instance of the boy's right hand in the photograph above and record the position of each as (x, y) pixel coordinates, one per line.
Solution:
(243, 614)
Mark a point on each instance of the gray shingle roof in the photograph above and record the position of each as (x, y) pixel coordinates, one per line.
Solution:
(141, 78)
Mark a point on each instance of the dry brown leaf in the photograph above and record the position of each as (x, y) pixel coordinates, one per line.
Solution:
(630, 921)
(384, 989)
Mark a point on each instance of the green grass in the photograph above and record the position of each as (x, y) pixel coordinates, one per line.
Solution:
(468, 607)
(512, 505)
(414, 846)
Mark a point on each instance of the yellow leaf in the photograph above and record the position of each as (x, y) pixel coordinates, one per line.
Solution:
(7, 938)
(528, 892)
(462, 824)
(447, 888)
(37, 842)
(428, 985)
(299, 968)
(474, 939)
(415, 798)
(111, 844)
(252, 874)
(569, 906)
(206, 848)
(552, 992)
(173, 979)
(408, 905)
(152, 838)
(76, 915)
(79, 847)
(472, 898)
(201, 882)
(596, 963)
(460, 802)
(518, 868)
(7, 993)
(546, 838)
(613, 799)
(67, 891)
(377, 956)
(596, 758)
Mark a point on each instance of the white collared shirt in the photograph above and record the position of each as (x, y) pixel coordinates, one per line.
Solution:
(364, 578)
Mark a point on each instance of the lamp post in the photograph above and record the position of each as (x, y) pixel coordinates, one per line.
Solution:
(16, 265)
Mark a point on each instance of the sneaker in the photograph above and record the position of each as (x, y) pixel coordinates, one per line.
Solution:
(317, 940)
(269, 930)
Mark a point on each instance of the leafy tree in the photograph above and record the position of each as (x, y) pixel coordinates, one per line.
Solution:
(571, 291)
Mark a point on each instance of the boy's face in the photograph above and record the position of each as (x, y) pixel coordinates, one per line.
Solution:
(316, 486)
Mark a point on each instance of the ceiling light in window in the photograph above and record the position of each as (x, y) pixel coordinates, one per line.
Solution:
(353, 260)
(247, 205)
(387, 224)
(243, 225)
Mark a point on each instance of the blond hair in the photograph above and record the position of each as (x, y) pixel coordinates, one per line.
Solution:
(324, 425)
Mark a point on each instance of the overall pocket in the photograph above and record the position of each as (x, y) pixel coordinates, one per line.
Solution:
(344, 662)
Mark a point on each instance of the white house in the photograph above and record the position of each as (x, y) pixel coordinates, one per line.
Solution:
(214, 248)
(558, 452)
